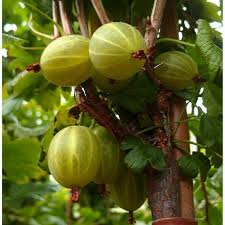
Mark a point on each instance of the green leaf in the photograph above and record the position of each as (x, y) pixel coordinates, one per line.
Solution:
(130, 142)
(21, 131)
(215, 215)
(24, 83)
(139, 92)
(49, 98)
(46, 140)
(12, 40)
(188, 166)
(20, 159)
(210, 130)
(212, 98)
(22, 194)
(203, 163)
(194, 126)
(202, 9)
(12, 103)
(141, 154)
(64, 119)
(210, 52)
(191, 165)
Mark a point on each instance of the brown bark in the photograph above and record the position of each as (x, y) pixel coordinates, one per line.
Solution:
(163, 189)
(170, 195)
(169, 29)
(178, 112)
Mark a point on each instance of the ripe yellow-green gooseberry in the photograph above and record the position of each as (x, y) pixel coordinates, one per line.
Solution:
(65, 61)
(176, 70)
(129, 190)
(74, 156)
(109, 167)
(117, 50)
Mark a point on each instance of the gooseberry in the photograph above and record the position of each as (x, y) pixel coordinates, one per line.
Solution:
(117, 50)
(65, 61)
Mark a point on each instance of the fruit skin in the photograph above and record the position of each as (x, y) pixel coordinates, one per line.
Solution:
(108, 169)
(111, 48)
(74, 156)
(177, 70)
(108, 85)
(129, 190)
(65, 61)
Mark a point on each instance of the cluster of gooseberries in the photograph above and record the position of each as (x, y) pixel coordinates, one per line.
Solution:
(78, 155)
(113, 55)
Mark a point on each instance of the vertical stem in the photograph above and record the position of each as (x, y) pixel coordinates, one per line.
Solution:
(207, 203)
(169, 28)
(153, 23)
(81, 17)
(100, 10)
(186, 190)
(67, 27)
(55, 15)
(163, 188)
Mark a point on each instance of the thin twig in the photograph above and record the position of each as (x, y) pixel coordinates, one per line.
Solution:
(160, 40)
(152, 26)
(153, 23)
(67, 27)
(90, 103)
(189, 142)
(81, 17)
(207, 203)
(55, 16)
(43, 14)
(36, 31)
(100, 10)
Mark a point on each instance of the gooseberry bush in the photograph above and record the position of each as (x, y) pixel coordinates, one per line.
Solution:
(111, 105)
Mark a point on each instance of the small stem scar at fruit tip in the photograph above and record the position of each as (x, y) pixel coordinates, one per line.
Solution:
(75, 194)
(35, 67)
(140, 54)
(131, 219)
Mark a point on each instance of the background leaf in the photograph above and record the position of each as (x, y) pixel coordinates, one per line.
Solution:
(211, 53)
(139, 92)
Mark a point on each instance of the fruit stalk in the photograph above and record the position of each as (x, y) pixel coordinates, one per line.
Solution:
(55, 16)
(100, 10)
(81, 17)
(67, 27)
(98, 110)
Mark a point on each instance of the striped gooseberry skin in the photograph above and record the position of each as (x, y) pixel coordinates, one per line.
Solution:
(108, 85)
(176, 70)
(65, 61)
(74, 156)
(129, 190)
(108, 169)
(111, 48)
